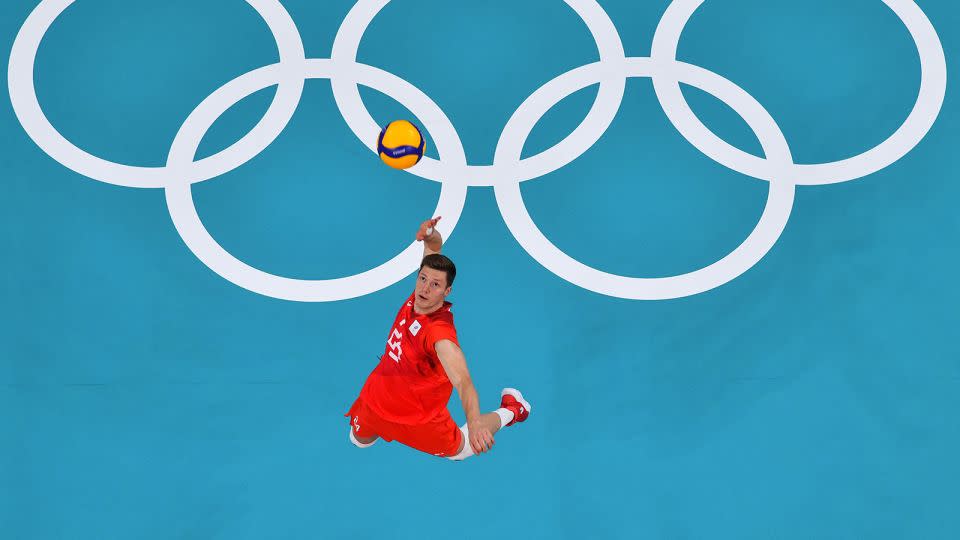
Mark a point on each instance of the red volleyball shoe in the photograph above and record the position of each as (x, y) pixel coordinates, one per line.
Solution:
(512, 400)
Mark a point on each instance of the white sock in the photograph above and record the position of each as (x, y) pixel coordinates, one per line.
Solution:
(506, 416)
(467, 450)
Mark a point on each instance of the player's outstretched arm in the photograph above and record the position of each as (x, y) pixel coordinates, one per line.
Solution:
(430, 236)
(455, 364)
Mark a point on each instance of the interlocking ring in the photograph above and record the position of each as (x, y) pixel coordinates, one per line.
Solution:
(452, 169)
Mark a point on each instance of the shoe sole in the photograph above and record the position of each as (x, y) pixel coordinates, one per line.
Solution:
(518, 396)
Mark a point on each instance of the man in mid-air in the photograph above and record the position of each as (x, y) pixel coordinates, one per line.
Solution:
(405, 397)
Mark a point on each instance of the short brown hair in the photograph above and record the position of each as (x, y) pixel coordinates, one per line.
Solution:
(442, 263)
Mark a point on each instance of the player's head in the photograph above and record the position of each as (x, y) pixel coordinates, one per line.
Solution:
(443, 264)
(434, 282)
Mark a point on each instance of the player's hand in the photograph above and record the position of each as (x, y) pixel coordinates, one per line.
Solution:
(481, 439)
(426, 228)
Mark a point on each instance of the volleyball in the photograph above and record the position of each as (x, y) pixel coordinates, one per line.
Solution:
(400, 144)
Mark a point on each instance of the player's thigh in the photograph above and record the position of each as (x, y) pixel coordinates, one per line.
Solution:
(440, 437)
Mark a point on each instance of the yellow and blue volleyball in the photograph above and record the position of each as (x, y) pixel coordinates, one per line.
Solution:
(401, 144)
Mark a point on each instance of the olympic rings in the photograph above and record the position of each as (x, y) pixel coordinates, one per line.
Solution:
(452, 170)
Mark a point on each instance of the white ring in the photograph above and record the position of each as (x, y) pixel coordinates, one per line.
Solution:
(758, 243)
(205, 247)
(23, 97)
(933, 84)
(604, 109)
(508, 169)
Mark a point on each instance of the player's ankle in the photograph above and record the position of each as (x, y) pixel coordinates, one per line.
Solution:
(506, 416)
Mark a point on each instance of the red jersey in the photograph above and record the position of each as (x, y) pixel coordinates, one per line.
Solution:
(409, 385)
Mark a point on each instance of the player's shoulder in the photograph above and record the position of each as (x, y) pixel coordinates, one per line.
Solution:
(442, 327)
(443, 317)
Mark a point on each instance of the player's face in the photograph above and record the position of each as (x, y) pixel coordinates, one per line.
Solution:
(431, 290)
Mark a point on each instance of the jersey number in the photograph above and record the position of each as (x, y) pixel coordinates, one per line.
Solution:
(395, 350)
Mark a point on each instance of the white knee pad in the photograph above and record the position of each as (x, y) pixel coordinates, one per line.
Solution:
(467, 449)
(358, 444)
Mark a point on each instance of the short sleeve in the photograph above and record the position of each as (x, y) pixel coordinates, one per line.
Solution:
(439, 331)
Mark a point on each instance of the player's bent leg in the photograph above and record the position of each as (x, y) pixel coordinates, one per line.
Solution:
(513, 408)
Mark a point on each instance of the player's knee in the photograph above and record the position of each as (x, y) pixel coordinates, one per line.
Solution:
(465, 449)
(362, 442)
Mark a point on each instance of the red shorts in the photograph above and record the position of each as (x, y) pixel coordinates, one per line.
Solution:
(440, 436)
